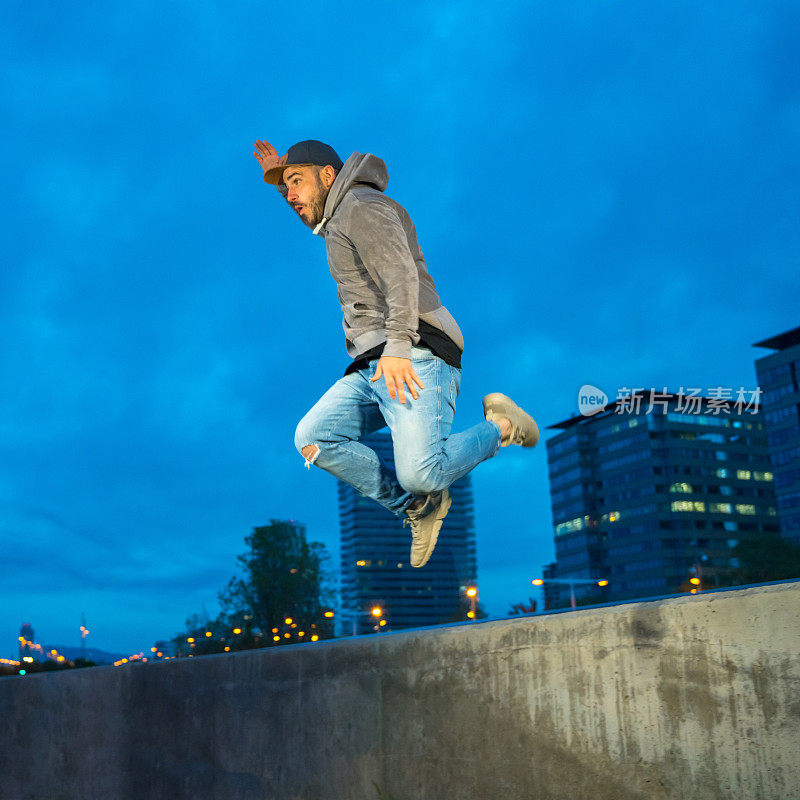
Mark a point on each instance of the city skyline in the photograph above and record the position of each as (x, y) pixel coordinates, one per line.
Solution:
(158, 352)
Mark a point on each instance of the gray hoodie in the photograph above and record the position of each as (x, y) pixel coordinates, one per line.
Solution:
(375, 259)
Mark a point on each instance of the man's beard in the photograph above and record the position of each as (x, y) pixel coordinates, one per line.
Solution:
(317, 206)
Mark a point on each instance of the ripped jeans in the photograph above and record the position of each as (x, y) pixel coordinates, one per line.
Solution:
(427, 458)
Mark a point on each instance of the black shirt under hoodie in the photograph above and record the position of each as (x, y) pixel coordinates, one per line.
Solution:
(438, 342)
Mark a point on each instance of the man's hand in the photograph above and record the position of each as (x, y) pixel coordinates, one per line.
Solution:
(396, 372)
(267, 155)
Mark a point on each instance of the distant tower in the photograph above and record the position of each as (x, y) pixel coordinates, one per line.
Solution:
(26, 640)
(375, 569)
(779, 378)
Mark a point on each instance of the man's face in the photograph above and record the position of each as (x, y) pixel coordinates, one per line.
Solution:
(306, 191)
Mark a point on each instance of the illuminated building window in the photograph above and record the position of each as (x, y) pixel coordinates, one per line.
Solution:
(688, 505)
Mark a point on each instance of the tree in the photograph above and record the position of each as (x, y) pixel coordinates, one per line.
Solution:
(521, 608)
(283, 577)
(766, 557)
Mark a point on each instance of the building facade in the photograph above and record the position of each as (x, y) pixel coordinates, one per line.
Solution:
(653, 491)
(779, 380)
(375, 569)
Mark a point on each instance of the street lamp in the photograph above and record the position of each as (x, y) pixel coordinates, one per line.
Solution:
(472, 594)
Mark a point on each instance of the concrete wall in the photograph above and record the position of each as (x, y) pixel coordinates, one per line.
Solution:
(690, 697)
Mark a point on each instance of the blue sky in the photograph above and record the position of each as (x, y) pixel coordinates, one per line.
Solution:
(606, 193)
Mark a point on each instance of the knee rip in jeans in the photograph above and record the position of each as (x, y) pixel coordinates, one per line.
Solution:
(310, 453)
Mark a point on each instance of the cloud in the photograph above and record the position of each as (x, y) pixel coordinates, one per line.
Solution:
(593, 187)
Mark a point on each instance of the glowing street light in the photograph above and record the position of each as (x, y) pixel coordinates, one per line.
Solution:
(472, 594)
(377, 611)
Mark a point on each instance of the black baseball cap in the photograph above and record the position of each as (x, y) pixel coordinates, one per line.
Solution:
(304, 154)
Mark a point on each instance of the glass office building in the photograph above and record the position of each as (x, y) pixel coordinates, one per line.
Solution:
(375, 569)
(653, 491)
(779, 379)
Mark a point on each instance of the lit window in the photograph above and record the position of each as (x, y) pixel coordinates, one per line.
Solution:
(681, 487)
(743, 474)
(762, 476)
(720, 508)
(722, 473)
(688, 505)
(745, 508)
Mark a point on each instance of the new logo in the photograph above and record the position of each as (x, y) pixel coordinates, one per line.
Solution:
(591, 400)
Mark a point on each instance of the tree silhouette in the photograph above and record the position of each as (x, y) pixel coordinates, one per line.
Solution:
(283, 577)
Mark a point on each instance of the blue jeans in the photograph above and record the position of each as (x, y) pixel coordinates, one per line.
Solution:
(427, 458)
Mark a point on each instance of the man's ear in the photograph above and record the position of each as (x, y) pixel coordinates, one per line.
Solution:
(328, 175)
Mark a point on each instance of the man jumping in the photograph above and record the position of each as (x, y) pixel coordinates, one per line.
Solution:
(396, 329)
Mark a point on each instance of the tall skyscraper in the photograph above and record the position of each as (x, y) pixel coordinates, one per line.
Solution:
(652, 497)
(375, 569)
(779, 379)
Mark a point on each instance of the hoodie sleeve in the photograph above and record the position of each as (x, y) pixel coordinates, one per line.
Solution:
(377, 234)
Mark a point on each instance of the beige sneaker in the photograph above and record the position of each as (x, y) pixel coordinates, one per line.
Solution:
(524, 429)
(426, 521)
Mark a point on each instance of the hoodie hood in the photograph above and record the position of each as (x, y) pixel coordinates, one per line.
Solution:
(360, 168)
